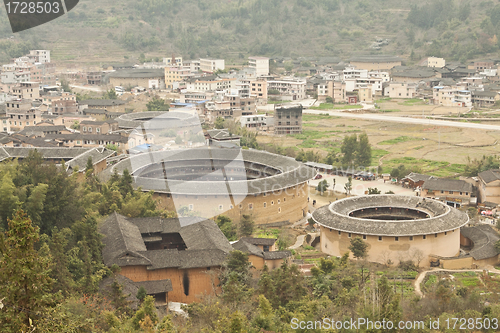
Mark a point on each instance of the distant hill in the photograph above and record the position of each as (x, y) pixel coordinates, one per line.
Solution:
(97, 31)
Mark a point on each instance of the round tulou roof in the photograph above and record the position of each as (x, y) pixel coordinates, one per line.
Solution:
(441, 216)
(286, 172)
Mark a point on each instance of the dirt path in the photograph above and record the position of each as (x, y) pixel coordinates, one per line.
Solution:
(422, 275)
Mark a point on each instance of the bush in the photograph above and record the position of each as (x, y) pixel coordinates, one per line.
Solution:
(407, 265)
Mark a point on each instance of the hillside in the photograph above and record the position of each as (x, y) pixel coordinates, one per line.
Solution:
(102, 31)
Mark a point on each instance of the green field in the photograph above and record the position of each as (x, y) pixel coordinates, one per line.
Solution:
(399, 139)
(329, 106)
(429, 167)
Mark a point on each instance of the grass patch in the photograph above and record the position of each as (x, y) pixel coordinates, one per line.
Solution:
(419, 147)
(277, 102)
(378, 153)
(469, 282)
(268, 233)
(310, 125)
(412, 101)
(431, 279)
(399, 139)
(310, 117)
(314, 135)
(385, 99)
(433, 168)
(330, 106)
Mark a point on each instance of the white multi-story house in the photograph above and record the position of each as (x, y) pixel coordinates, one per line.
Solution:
(41, 56)
(177, 61)
(401, 90)
(260, 64)
(256, 121)
(211, 65)
(210, 83)
(452, 96)
(289, 88)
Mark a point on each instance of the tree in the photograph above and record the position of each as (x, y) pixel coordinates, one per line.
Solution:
(373, 190)
(25, 283)
(178, 140)
(219, 123)
(349, 148)
(65, 86)
(497, 246)
(9, 201)
(110, 94)
(348, 186)
(147, 310)
(111, 146)
(246, 225)
(322, 186)
(364, 151)
(90, 165)
(227, 227)
(329, 100)
(141, 293)
(358, 248)
(157, 104)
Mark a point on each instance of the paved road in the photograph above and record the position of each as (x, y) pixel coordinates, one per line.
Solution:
(298, 243)
(360, 186)
(96, 89)
(405, 120)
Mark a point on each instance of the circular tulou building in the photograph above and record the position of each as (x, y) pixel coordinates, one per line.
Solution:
(218, 181)
(396, 228)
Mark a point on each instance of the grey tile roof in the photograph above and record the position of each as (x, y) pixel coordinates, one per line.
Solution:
(202, 258)
(94, 111)
(123, 242)
(416, 177)
(221, 134)
(484, 239)
(375, 58)
(484, 93)
(259, 241)
(443, 184)
(442, 217)
(161, 120)
(3, 154)
(489, 176)
(246, 247)
(49, 153)
(165, 258)
(38, 130)
(80, 136)
(129, 289)
(205, 235)
(90, 122)
(101, 102)
(414, 73)
(97, 154)
(274, 255)
(156, 286)
(294, 172)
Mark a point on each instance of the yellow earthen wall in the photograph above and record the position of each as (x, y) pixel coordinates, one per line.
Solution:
(200, 280)
(389, 249)
(288, 205)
